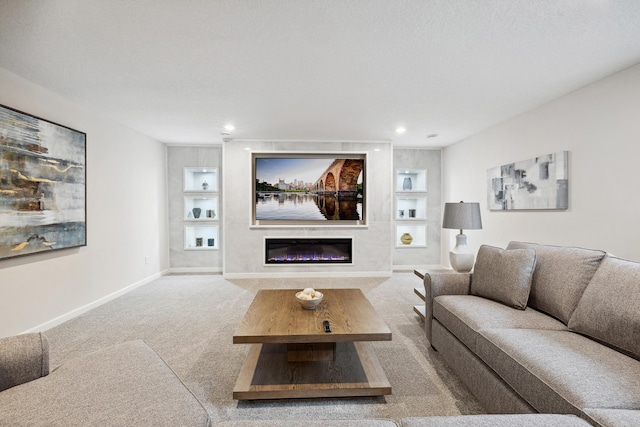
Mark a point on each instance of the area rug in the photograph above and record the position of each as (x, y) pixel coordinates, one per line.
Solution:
(190, 320)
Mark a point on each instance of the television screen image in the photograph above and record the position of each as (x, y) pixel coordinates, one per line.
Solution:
(309, 188)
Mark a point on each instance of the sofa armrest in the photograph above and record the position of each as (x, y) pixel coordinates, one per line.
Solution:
(23, 358)
(436, 284)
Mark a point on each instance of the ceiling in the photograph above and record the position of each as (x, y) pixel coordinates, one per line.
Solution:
(314, 70)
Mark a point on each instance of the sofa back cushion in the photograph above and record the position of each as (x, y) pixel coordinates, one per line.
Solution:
(609, 309)
(560, 277)
(504, 276)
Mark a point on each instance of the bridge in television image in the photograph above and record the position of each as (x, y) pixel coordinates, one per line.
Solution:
(340, 178)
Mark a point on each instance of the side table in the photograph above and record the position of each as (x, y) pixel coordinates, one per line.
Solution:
(419, 290)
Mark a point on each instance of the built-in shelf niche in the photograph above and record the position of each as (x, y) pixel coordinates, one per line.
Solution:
(411, 208)
(417, 232)
(201, 179)
(411, 180)
(208, 208)
(200, 237)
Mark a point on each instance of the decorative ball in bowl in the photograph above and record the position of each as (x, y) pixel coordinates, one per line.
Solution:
(309, 298)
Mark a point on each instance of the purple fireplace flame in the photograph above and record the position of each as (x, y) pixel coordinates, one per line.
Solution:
(308, 250)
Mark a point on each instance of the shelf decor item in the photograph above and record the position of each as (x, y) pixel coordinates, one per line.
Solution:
(211, 213)
(43, 181)
(406, 183)
(198, 241)
(406, 238)
(462, 216)
(211, 242)
(401, 213)
(205, 186)
(196, 212)
(412, 213)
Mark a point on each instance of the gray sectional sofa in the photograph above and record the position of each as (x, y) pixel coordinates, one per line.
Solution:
(130, 385)
(538, 328)
(124, 385)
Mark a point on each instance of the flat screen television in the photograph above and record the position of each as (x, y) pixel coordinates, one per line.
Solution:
(309, 189)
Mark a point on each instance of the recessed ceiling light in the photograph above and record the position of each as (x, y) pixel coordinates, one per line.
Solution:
(376, 149)
(247, 148)
(400, 130)
(229, 128)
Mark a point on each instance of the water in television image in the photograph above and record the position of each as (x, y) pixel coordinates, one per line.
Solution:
(307, 188)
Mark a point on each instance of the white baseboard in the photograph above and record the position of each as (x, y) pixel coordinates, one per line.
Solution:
(405, 268)
(80, 310)
(311, 274)
(194, 270)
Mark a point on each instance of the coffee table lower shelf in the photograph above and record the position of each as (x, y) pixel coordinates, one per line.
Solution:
(266, 374)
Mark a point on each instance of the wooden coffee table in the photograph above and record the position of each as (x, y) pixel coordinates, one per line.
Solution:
(292, 357)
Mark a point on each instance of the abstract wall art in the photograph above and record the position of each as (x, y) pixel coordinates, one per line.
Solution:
(42, 185)
(538, 183)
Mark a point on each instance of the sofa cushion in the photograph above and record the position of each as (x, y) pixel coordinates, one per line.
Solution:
(465, 315)
(560, 277)
(609, 309)
(23, 358)
(614, 417)
(520, 420)
(560, 371)
(503, 276)
(127, 384)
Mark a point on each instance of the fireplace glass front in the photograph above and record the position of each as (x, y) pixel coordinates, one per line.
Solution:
(308, 250)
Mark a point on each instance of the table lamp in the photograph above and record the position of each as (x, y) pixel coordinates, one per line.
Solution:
(462, 216)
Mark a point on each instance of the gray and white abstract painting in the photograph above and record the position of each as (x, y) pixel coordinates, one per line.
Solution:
(538, 183)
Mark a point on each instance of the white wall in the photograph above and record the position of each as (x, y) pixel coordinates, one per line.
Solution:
(600, 127)
(244, 246)
(126, 219)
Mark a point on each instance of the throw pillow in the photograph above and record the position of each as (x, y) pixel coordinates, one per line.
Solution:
(608, 310)
(504, 275)
(561, 276)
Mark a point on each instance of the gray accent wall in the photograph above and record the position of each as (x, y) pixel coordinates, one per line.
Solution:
(417, 159)
(182, 260)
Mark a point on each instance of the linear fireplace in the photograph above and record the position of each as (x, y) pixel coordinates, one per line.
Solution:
(303, 250)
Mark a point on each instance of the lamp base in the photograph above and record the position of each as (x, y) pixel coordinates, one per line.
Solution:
(461, 257)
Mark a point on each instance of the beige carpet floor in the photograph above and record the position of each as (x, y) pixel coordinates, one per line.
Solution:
(190, 320)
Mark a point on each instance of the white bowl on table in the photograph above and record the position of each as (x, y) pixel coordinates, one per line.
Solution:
(309, 304)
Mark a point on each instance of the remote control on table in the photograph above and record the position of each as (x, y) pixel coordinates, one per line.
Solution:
(327, 328)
